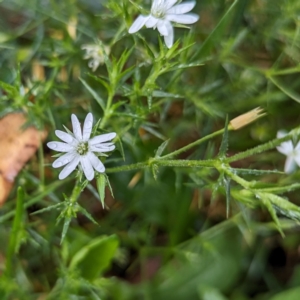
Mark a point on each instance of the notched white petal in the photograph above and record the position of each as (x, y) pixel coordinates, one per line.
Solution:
(183, 19)
(87, 127)
(96, 163)
(87, 167)
(64, 159)
(182, 8)
(66, 137)
(102, 138)
(60, 147)
(138, 24)
(69, 168)
(101, 148)
(76, 127)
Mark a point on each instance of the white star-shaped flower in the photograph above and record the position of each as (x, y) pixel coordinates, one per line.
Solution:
(80, 148)
(163, 12)
(95, 54)
(292, 153)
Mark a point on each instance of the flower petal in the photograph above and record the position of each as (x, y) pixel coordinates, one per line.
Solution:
(162, 27)
(281, 134)
(102, 148)
(96, 163)
(60, 147)
(169, 3)
(102, 138)
(182, 8)
(169, 39)
(151, 22)
(66, 137)
(87, 167)
(138, 23)
(183, 19)
(76, 128)
(69, 168)
(64, 159)
(297, 158)
(289, 166)
(87, 127)
(286, 148)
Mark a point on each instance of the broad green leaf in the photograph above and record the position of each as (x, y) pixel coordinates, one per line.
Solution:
(291, 294)
(94, 258)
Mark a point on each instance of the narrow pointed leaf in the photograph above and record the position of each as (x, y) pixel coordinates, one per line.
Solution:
(101, 182)
(161, 148)
(95, 95)
(224, 144)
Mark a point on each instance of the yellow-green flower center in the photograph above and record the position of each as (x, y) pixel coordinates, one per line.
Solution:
(82, 148)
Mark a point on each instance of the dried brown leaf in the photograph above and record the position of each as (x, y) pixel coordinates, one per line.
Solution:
(17, 146)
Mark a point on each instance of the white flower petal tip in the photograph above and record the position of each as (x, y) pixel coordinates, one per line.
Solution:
(162, 12)
(138, 24)
(184, 19)
(87, 126)
(79, 149)
(290, 151)
(182, 8)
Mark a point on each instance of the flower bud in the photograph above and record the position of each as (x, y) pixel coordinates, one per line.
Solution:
(246, 118)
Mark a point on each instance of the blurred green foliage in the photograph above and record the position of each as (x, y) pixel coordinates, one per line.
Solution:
(165, 236)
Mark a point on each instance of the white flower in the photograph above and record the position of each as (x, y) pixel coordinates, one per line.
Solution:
(79, 148)
(96, 55)
(162, 13)
(293, 153)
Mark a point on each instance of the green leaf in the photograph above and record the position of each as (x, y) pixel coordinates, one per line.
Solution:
(10, 89)
(214, 36)
(67, 221)
(285, 89)
(94, 94)
(94, 258)
(101, 182)
(161, 94)
(226, 183)
(224, 144)
(16, 232)
(161, 148)
(102, 81)
(291, 294)
(51, 207)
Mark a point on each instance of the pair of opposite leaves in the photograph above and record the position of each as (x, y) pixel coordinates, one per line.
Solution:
(17, 146)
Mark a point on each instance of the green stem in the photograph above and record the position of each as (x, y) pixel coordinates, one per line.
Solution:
(78, 188)
(261, 148)
(191, 145)
(164, 163)
(107, 112)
